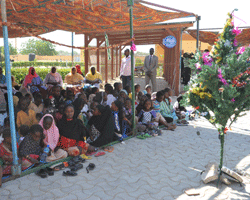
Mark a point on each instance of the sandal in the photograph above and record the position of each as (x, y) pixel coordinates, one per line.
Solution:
(100, 154)
(42, 173)
(91, 166)
(69, 173)
(110, 149)
(49, 171)
(76, 167)
(86, 157)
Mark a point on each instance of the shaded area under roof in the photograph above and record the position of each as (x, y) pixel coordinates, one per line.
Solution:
(88, 16)
(210, 37)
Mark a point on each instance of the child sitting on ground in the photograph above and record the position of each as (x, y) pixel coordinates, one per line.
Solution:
(93, 94)
(137, 90)
(39, 116)
(25, 116)
(23, 131)
(70, 97)
(56, 96)
(117, 110)
(110, 97)
(147, 118)
(38, 105)
(6, 158)
(48, 108)
(32, 145)
(117, 89)
(123, 95)
(148, 90)
(129, 93)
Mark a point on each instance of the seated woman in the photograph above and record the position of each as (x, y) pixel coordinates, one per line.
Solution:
(72, 133)
(6, 158)
(51, 133)
(25, 116)
(93, 77)
(73, 78)
(102, 129)
(78, 69)
(38, 105)
(53, 79)
(32, 145)
(35, 83)
(78, 104)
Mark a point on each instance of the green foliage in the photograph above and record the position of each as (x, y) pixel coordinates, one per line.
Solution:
(12, 51)
(38, 47)
(66, 53)
(43, 64)
(215, 89)
(20, 73)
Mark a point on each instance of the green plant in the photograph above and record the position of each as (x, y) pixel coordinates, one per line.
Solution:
(221, 92)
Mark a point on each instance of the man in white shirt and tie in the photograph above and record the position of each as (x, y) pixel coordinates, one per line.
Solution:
(125, 72)
(150, 66)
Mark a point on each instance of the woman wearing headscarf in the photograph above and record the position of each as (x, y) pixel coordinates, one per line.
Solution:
(102, 129)
(35, 83)
(51, 134)
(72, 133)
(78, 69)
(53, 78)
(93, 77)
(73, 78)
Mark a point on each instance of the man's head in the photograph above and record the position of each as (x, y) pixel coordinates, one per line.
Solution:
(126, 52)
(1, 70)
(92, 70)
(151, 51)
(53, 70)
(73, 70)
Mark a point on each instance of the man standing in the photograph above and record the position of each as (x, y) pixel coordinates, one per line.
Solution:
(125, 72)
(150, 65)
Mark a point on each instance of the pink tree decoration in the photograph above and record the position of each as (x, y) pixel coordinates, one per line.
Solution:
(133, 47)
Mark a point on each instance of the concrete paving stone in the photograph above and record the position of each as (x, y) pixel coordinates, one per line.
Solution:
(36, 192)
(58, 193)
(72, 188)
(20, 195)
(4, 197)
(47, 196)
(136, 194)
(5, 192)
(68, 197)
(46, 188)
(163, 194)
(114, 191)
(14, 189)
(102, 195)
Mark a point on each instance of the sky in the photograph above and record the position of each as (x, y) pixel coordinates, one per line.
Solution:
(213, 15)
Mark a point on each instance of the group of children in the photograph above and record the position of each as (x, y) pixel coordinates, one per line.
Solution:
(73, 124)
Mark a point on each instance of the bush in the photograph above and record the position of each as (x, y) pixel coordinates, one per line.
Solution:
(40, 64)
(20, 73)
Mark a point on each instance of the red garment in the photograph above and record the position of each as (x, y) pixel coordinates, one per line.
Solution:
(78, 69)
(29, 77)
(66, 143)
(6, 153)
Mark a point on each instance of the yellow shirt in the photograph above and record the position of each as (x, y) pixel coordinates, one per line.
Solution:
(89, 76)
(130, 95)
(73, 78)
(24, 119)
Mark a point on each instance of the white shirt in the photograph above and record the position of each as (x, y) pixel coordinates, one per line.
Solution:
(126, 66)
(110, 99)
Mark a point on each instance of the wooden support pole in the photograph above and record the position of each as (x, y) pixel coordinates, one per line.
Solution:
(106, 64)
(86, 57)
(117, 64)
(120, 57)
(98, 55)
(112, 63)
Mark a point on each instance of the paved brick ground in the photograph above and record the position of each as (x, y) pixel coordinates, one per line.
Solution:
(156, 168)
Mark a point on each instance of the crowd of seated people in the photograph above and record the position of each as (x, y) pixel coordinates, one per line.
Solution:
(77, 123)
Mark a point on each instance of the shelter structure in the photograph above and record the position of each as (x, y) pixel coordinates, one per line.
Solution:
(210, 36)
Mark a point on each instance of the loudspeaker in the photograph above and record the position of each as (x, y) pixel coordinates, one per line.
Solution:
(32, 56)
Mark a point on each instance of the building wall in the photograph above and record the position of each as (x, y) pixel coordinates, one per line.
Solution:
(44, 58)
(188, 45)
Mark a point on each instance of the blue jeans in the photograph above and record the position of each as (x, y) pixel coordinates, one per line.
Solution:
(126, 80)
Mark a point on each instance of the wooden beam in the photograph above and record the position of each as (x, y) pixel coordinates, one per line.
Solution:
(116, 62)
(106, 64)
(98, 55)
(170, 32)
(86, 57)
(112, 63)
(145, 28)
(120, 57)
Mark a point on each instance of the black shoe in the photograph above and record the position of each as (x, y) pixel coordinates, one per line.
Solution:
(50, 171)
(76, 167)
(42, 173)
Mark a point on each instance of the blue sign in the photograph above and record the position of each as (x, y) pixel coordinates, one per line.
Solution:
(169, 41)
